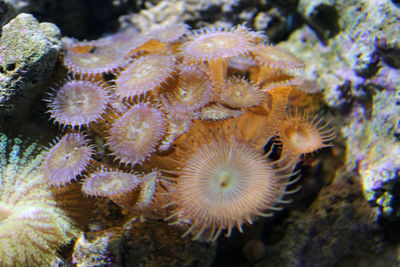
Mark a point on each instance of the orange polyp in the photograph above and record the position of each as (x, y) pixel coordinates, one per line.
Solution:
(300, 136)
(92, 59)
(216, 48)
(239, 93)
(66, 159)
(222, 181)
(79, 102)
(191, 90)
(216, 111)
(278, 59)
(266, 74)
(151, 46)
(111, 183)
(279, 103)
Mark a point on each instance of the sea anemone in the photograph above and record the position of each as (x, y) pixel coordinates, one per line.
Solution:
(66, 159)
(148, 189)
(299, 135)
(109, 183)
(32, 227)
(288, 83)
(169, 33)
(272, 58)
(221, 182)
(241, 64)
(135, 135)
(209, 45)
(78, 102)
(144, 75)
(96, 57)
(178, 121)
(215, 47)
(129, 40)
(239, 93)
(192, 90)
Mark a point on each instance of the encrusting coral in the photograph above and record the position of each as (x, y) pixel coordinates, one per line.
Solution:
(32, 226)
(189, 118)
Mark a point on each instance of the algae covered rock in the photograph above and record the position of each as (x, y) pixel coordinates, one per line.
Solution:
(28, 54)
(352, 53)
(346, 43)
(374, 150)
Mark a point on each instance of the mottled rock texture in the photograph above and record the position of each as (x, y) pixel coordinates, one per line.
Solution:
(140, 244)
(28, 54)
(352, 53)
(338, 225)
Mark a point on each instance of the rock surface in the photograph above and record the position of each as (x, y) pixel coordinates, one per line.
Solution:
(354, 57)
(28, 54)
(140, 244)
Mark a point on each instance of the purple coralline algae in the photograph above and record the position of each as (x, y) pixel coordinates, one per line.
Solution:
(374, 150)
(352, 51)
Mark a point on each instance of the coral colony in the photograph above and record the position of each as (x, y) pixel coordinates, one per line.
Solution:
(184, 118)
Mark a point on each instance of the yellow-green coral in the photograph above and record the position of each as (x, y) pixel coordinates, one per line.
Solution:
(32, 227)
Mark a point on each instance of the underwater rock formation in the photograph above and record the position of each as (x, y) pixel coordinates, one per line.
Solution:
(339, 227)
(353, 57)
(274, 18)
(377, 151)
(140, 244)
(28, 54)
(349, 54)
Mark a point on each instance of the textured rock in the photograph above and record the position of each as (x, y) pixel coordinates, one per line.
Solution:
(277, 20)
(28, 54)
(339, 225)
(345, 51)
(149, 243)
(98, 248)
(374, 150)
(354, 57)
(154, 243)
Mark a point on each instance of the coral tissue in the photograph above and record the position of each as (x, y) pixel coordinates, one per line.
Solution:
(183, 117)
